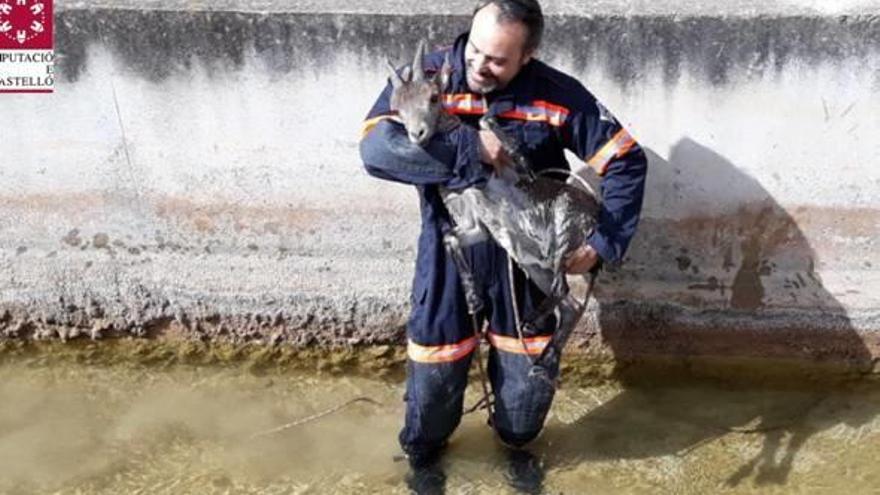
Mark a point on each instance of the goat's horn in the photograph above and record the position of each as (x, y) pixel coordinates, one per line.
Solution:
(396, 81)
(418, 73)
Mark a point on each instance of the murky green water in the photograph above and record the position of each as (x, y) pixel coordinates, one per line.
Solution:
(111, 429)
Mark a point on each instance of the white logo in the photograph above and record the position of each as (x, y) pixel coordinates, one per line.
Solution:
(28, 22)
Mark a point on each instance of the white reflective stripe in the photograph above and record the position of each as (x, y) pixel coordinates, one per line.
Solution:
(440, 353)
(468, 103)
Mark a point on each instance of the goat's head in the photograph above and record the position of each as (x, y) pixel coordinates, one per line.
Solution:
(417, 99)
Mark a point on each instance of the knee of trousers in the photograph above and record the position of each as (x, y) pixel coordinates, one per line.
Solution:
(521, 400)
(516, 440)
(434, 399)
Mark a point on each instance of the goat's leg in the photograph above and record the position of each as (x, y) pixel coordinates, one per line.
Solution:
(558, 291)
(470, 236)
(468, 229)
(510, 146)
(570, 312)
(468, 281)
(558, 287)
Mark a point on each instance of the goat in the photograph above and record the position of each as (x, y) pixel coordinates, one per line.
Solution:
(537, 220)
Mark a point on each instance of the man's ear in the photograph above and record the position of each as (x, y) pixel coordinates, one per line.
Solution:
(528, 56)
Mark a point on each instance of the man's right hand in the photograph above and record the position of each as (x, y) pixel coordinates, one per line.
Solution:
(491, 151)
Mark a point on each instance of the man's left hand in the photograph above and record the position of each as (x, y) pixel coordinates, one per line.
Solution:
(581, 261)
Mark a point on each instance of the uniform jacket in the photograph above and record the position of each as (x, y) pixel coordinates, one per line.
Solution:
(547, 112)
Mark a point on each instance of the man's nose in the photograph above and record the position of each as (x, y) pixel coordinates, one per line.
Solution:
(480, 62)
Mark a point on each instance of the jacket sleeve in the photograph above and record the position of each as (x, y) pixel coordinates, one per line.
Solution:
(450, 158)
(595, 136)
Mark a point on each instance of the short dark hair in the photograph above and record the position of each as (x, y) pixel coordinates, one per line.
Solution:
(527, 12)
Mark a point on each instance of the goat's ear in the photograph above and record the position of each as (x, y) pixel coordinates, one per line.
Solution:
(418, 71)
(445, 74)
(407, 74)
(396, 81)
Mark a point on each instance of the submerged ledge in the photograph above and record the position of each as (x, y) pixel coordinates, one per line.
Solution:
(581, 367)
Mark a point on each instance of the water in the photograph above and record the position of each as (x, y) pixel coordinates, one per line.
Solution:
(73, 428)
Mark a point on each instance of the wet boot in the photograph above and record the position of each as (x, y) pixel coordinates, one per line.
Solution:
(524, 473)
(426, 475)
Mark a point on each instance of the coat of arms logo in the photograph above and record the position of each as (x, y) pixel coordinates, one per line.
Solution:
(24, 23)
(27, 55)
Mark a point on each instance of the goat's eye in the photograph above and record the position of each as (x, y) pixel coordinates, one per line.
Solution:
(435, 98)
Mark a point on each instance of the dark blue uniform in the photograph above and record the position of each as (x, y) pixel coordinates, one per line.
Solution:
(547, 112)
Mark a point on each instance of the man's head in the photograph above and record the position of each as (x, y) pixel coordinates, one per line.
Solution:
(504, 36)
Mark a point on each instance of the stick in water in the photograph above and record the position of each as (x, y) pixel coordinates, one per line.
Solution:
(313, 417)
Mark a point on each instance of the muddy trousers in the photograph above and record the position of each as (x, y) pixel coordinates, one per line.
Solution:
(435, 396)
(442, 346)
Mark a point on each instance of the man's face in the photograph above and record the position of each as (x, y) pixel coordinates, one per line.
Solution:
(495, 52)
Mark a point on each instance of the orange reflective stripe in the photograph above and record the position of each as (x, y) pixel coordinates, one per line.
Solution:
(529, 345)
(372, 123)
(440, 353)
(614, 148)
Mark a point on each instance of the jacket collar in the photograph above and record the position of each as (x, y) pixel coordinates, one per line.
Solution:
(520, 91)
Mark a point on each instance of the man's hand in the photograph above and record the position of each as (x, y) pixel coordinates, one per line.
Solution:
(582, 260)
(491, 152)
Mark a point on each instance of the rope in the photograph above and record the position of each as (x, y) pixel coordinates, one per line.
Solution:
(483, 403)
(516, 319)
(484, 380)
(313, 417)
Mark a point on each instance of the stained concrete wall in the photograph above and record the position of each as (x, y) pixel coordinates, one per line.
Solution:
(196, 173)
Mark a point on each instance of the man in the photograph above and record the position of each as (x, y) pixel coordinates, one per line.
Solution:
(495, 72)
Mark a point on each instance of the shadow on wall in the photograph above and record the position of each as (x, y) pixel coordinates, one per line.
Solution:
(744, 285)
(740, 274)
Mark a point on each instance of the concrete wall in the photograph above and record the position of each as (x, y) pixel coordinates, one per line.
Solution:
(196, 173)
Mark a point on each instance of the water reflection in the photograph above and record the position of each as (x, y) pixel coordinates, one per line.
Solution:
(679, 423)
